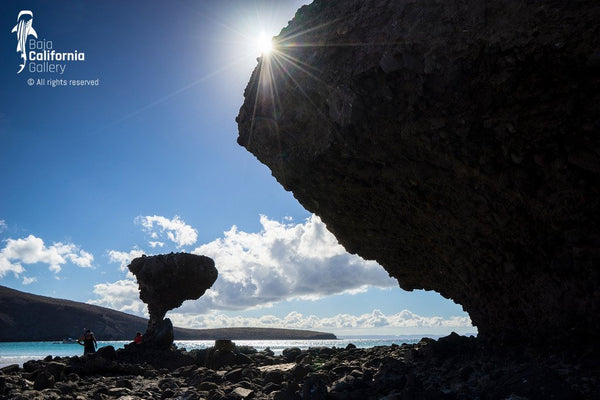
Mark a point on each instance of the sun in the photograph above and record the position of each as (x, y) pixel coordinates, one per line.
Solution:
(264, 44)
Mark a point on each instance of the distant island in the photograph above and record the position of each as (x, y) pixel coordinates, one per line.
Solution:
(27, 317)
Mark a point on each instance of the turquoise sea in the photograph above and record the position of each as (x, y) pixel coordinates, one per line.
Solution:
(19, 352)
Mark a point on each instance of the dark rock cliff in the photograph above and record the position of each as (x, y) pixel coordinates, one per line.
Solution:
(455, 142)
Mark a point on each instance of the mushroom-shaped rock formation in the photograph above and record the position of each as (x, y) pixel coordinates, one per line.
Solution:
(165, 282)
(456, 143)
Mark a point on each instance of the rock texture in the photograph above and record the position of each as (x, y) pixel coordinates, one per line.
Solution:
(165, 282)
(455, 142)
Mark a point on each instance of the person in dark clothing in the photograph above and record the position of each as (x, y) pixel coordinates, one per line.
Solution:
(88, 341)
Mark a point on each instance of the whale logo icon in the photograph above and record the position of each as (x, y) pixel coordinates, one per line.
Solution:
(23, 29)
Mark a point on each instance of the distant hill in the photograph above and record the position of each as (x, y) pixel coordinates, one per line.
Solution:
(29, 317)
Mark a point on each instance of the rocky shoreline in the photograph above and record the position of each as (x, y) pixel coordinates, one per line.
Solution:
(453, 367)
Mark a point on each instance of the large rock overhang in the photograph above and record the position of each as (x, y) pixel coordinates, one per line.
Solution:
(456, 143)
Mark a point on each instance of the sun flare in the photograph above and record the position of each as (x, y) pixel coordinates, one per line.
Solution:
(264, 44)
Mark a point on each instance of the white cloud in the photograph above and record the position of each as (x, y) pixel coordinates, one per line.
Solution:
(2, 225)
(156, 244)
(120, 295)
(28, 280)
(6, 266)
(124, 258)
(32, 250)
(81, 258)
(175, 230)
(402, 322)
(282, 262)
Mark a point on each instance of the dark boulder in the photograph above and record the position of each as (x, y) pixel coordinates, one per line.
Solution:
(57, 369)
(10, 369)
(291, 353)
(456, 143)
(107, 352)
(43, 380)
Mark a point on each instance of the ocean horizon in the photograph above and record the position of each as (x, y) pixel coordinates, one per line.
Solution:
(20, 352)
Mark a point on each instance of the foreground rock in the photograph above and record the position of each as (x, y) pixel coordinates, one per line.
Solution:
(456, 143)
(451, 368)
(165, 282)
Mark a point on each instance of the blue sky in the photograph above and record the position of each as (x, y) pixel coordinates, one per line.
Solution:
(147, 162)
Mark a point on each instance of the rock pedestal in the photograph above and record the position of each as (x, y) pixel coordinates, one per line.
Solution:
(159, 335)
(165, 282)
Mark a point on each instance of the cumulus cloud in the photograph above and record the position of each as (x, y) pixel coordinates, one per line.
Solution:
(32, 250)
(7, 266)
(175, 230)
(28, 280)
(2, 225)
(402, 322)
(80, 258)
(283, 261)
(120, 295)
(123, 257)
